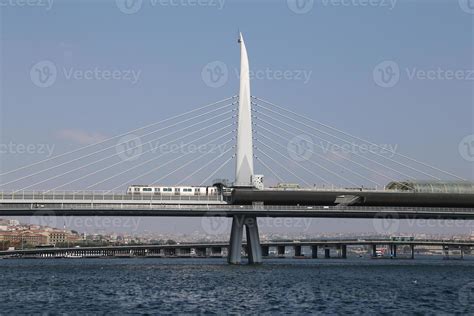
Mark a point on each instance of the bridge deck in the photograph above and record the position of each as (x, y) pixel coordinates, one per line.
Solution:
(129, 208)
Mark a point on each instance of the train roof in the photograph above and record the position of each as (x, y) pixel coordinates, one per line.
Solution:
(168, 186)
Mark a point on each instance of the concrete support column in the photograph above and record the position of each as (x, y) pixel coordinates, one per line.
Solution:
(327, 253)
(265, 251)
(297, 251)
(344, 251)
(374, 251)
(281, 251)
(314, 252)
(235, 245)
(201, 252)
(253, 240)
(412, 248)
(394, 251)
(185, 251)
(216, 251)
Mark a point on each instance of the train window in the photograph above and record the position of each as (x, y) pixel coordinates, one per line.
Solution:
(137, 189)
(147, 189)
(176, 189)
(157, 189)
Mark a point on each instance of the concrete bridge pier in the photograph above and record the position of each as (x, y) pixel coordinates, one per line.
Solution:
(393, 251)
(281, 251)
(265, 251)
(216, 251)
(314, 252)
(374, 251)
(297, 251)
(200, 252)
(253, 240)
(344, 251)
(185, 252)
(412, 250)
(327, 253)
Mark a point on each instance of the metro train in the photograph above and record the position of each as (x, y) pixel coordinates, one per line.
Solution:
(172, 190)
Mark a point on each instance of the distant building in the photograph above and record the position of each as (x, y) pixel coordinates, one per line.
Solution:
(24, 237)
(57, 237)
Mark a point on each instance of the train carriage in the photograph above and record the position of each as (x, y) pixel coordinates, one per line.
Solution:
(172, 190)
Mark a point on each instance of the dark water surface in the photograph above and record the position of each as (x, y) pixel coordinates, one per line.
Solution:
(170, 286)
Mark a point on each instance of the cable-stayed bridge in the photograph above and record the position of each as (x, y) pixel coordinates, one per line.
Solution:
(306, 162)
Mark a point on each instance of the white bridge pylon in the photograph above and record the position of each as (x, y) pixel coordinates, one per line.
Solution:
(244, 161)
(244, 169)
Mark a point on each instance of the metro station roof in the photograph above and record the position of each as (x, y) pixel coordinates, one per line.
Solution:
(423, 186)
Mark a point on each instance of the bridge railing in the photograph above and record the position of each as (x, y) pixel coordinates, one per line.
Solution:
(101, 196)
(384, 212)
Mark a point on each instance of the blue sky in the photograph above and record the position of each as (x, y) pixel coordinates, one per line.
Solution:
(167, 45)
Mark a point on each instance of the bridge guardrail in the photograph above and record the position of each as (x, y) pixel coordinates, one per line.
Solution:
(392, 211)
(101, 196)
